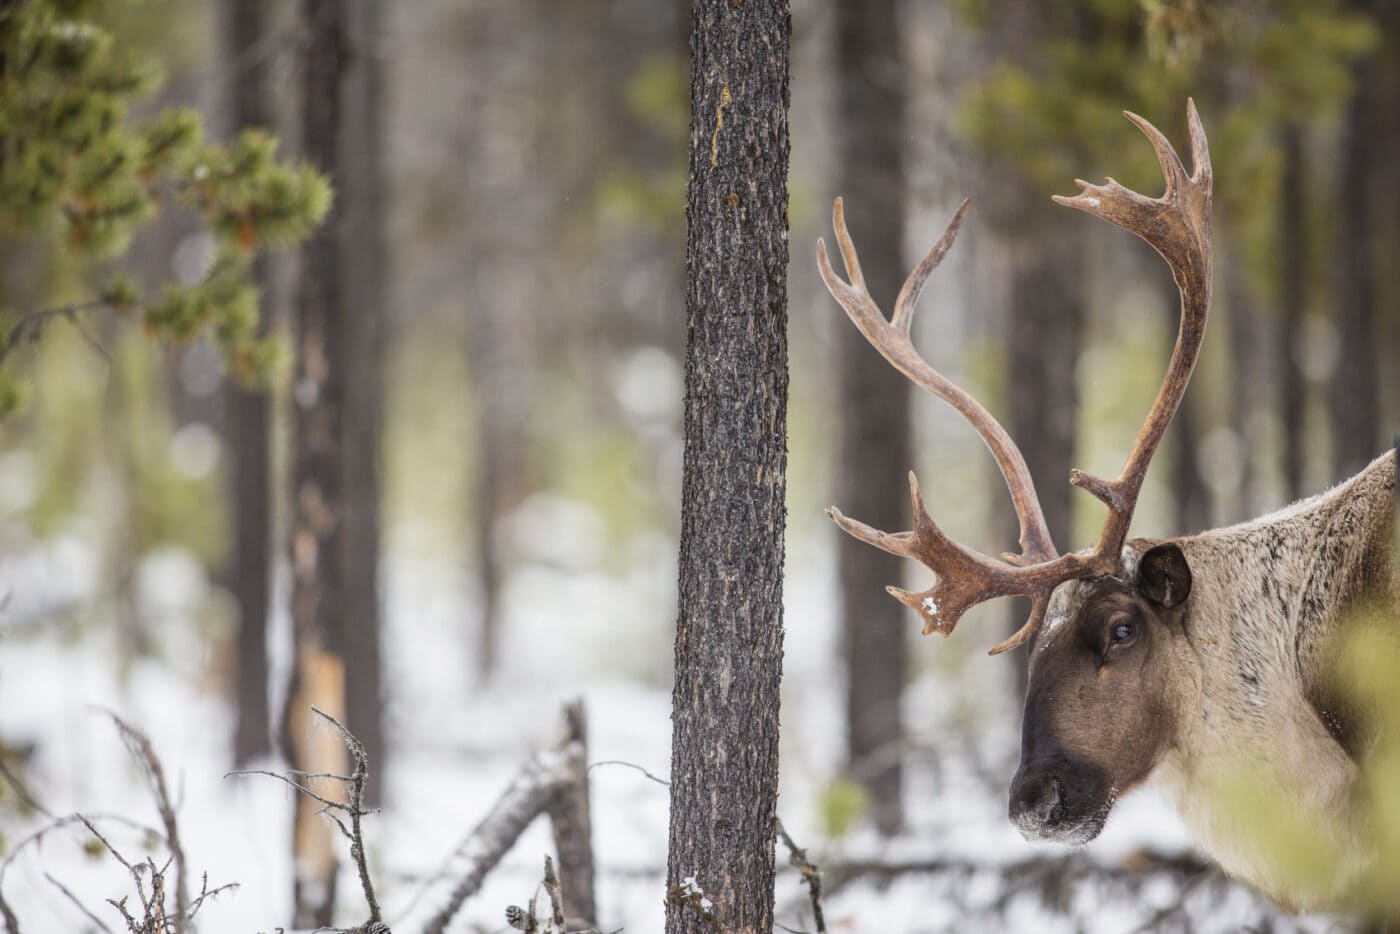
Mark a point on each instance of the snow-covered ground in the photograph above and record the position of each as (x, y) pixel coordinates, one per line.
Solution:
(571, 632)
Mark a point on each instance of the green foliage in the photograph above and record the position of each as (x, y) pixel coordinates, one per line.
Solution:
(840, 805)
(1353, 865)
(80, 175)
(1251, 68)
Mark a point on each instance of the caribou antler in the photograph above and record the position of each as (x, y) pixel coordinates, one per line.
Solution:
(1177, 225)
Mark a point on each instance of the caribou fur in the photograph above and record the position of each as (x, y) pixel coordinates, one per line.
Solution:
(1267, 599)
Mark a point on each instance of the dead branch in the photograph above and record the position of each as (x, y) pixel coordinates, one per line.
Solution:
(811, 875)
(554, 770)
(140, 746)
(339, 811)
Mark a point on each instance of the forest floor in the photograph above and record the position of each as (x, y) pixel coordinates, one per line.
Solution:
(455, 745)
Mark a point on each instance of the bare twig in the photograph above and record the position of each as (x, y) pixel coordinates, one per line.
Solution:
(631, 765)
(354, 810)
(77, 904)
(811, 875)
(140, 746)
(28, 328)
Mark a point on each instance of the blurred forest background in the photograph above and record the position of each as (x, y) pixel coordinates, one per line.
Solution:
(496, 313)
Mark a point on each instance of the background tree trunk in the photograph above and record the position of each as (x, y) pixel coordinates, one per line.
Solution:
(247, 418)
(1043, 328)
(362, 190)
(876, 450)
(1293, 300)
(724, 766)
(318, 472)
(1356, 418)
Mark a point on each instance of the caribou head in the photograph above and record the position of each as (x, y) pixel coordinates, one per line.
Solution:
(1106, 623)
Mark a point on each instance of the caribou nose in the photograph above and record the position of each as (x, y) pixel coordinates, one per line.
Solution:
(1037, 802)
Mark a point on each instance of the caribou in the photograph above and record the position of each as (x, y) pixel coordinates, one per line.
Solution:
(1173, 659)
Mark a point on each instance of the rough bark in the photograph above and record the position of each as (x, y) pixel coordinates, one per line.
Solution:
(248, 424)
(363, 195)
(728, 658)
(570, 818)
(876, 450)
(318, 480)
(1356, 418)
(1292, 285)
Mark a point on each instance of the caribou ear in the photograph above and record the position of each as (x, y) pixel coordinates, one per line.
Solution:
(1164, 577)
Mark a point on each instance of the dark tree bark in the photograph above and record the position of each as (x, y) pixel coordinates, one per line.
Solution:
(876, 450)
(724, 762)
(1356, 417)
(248, 424)
(363, 201)
(319, 394)
(1292, 286)
(1192, 496)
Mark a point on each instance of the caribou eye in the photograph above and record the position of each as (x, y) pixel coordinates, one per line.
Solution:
(1122, 632)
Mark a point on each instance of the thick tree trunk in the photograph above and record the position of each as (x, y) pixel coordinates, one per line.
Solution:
(1356, 418)
(363, 202)
(248, 423)
(876, 450)
(724, 765)
(319, 393)
(1292, 286)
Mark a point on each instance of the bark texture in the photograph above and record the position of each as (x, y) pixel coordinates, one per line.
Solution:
(1356, 417)
(728, 658)
(247, 422)
(876, 450)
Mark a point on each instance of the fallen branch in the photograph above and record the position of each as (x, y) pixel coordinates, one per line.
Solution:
(553, 780)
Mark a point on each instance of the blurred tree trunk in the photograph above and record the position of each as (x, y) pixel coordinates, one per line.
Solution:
(1242, 323)
(1043, 334)
(363, 199)
(876, 450)
(1292, 285)
(1044, 322)
(247, 420)
(509, 124)
(1193, 508)
(319, 607)
(729, 636)
(1356, 415)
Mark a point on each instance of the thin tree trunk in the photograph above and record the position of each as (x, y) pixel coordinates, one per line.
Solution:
(1242, 323)
(1356, 417)
(318, 474)
(724, 765)
(248, 422)
(1292, 284)
(876, 449)
(363, 200)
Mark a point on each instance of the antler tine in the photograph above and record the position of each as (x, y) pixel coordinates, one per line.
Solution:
(913, 287)
(892, 339)
(1177, 225)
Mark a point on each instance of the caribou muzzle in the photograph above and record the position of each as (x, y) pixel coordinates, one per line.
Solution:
(1059, 800)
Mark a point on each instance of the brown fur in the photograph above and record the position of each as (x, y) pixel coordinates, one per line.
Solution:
(1233, 676)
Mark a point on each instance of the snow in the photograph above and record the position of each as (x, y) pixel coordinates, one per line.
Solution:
(456, 745)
